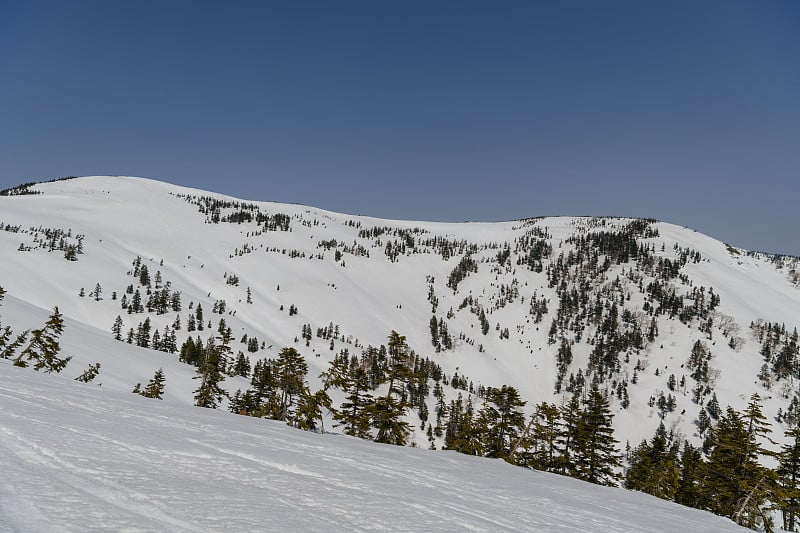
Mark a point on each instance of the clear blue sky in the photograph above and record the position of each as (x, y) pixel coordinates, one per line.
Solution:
(684, 111)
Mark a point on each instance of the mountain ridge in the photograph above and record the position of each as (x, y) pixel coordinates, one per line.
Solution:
(632, 298)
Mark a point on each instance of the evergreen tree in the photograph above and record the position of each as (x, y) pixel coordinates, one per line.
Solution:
(565, 443)
(209, 393)
(309, 409)
(43, 347)
(116, 328)
(136, 303)
(89, 374)
(596, 458)
(199, 316)
(789, 479)
(654, 467)
(7, 347)
(354, 381)
(545, 432)
(291, 370)
(690, 490)
(242, 366)
(464, 433)
(503, 420)
(155, 387)
(386, 416)
(735, 485)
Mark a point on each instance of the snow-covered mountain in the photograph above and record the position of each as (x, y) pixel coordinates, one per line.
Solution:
(543, 305)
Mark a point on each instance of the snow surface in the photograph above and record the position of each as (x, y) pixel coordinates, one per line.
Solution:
(75, 457)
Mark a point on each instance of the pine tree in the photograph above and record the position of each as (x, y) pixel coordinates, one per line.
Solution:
(735, 484)
(209, 393)
(354, 382)
(43, 348)
(385, 415)
(89, 374)
(242, 366)
(116, 328)
(690, 491)
(571, 417)
(789, 479)
(155, 387)
(309, 409)
(596, 458)
(544, 437)
(7, 347)
(503, 420)
(291, 369)
(654, 467)
(199, 317)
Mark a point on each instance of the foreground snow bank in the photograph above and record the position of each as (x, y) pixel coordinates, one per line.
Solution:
(74, 457)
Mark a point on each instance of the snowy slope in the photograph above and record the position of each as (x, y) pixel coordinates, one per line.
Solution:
(123, 218)
(74, 457)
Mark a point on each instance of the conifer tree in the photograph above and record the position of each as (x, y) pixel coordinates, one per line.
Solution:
(545, 432)
(571, 418)
(353, 380)
(116, 328)
(43, 347)
(654, 467)
(209, 393)
(309, 409)
(596, 458)
(789, 479)
(690, 490)
(199, 317)
(386, 412)
(503, 420)
(7, 347)
(735, 484)
(155, 387)
(89, 374)
(385, 415)
(291, 370)
(242, 366)
(464, 432)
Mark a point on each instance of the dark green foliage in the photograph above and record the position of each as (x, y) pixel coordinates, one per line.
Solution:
(89, 374)
(789, 479)
(290, 373)
(43, 347)
(461, 271)
(385, 415)
(353, 380)
(735, 484)
(542, 452)
(501, 421)
(155, 387)
(116, 328)
(210, 373)
(595, 456)
(654, 466)
(242, 366)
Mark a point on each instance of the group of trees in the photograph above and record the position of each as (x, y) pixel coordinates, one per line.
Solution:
(574, 439)
(725, 475)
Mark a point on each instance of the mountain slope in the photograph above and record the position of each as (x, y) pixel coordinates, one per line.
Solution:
(76, 458)
(369, 276)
